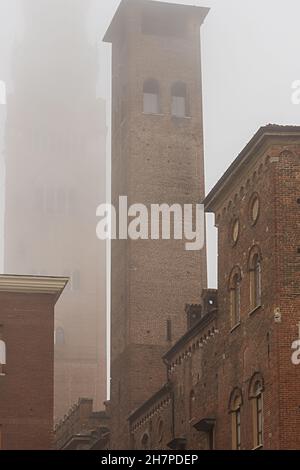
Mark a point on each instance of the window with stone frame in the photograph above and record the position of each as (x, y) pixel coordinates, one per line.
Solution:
(256, 392)
(235, 406)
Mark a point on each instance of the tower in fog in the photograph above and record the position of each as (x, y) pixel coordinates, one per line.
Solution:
(157, 157)
(55, 179)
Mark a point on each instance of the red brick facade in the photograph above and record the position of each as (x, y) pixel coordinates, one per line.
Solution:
(227, 381)
(151, 279)
(216, 366)
(26, 381)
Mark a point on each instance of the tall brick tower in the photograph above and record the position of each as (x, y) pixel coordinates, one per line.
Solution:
(157, 157)
(55, 179)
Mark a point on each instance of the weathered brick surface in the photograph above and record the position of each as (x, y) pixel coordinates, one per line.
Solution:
(26, 391)
(156, 159)
(214, 359)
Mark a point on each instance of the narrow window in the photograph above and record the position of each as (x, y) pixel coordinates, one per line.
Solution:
(255, 280)
(236, 401)
(256, 395)
(151, 97)
(2, 356)
(179, 100)
(237, 429)
(235, 300)
(259, 420)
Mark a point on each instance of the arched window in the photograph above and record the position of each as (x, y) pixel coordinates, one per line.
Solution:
(145, 442)
(179, 99)
(192, 404)
(256, 390)
(2, 356)
(59, 336)
(235, 296)
(255, 277)
(235, 405)
(151, 97)
(2, 92)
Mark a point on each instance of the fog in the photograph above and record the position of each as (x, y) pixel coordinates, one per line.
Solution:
(55, 137)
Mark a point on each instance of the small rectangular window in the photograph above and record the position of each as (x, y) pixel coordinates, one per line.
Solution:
(151, 103)
(178, 106)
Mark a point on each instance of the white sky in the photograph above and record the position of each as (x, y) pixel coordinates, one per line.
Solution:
(250, 59)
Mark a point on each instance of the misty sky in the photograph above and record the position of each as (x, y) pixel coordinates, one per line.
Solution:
(250, 59)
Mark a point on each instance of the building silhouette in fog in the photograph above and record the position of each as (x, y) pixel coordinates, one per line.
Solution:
(55, 179)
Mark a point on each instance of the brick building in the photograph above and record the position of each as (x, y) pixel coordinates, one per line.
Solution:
(224, 378)
(27, 361)
(151, 280)
(82, 428)
(231, 380)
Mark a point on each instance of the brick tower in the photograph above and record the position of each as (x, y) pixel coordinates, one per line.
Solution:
(157, 157)
(55, 179)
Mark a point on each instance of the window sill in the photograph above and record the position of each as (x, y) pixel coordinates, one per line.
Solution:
(255, 310)
(258, 447)
(181, 117)
(3, 375)
(152, 114)
(235, 327)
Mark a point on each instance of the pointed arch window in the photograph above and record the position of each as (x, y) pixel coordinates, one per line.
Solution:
(151, 91)
(235, 296)
(179, 99)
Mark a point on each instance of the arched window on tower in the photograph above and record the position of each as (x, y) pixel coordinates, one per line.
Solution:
(179, 100)
(151, 97)
(2, 92)
(2, 356)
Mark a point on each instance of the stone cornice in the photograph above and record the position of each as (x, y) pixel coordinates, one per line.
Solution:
(33, 284)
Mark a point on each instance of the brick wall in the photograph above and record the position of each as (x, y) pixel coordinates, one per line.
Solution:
(26, 389)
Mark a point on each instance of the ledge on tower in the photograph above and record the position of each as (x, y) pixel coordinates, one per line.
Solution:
(168, 15)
